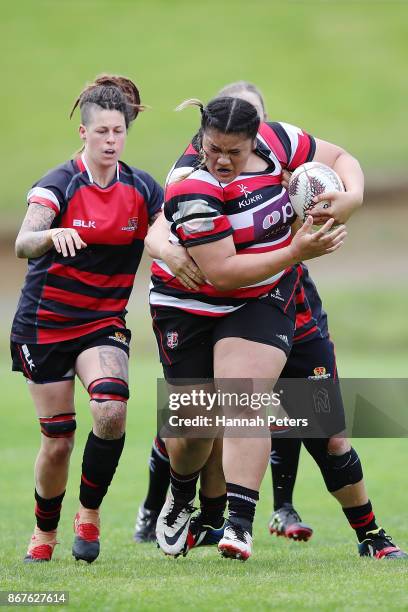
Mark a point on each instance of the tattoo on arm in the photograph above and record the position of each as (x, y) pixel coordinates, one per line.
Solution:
(33, 238)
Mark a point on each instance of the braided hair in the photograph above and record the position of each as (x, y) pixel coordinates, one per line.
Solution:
(227, 115)
(110, 92)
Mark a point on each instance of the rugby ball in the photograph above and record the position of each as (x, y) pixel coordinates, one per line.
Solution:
(309, 180)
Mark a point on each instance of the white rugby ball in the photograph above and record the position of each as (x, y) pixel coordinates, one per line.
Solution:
(309, 180)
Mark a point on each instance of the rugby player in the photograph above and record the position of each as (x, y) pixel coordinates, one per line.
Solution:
(311, 323)
(83, 236)
(237, 312)
(339, 463)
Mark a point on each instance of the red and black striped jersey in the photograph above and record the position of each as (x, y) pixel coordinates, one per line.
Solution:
(286, 147)
(311, 319)
(254, 209)
(66, 297)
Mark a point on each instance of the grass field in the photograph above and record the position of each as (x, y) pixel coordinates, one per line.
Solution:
(367, 320)
(336, 68)
(322, 574)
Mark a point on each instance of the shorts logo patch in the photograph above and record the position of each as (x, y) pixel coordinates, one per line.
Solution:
(319, 373)
(172, 339)
(28, 358)
(132, 225)
(119, 337)
(284, 338)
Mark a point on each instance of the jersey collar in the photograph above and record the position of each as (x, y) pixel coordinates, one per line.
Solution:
(85, 168)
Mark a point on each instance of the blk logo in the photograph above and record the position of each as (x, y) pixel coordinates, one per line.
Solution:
(84, 224)
(28, 357)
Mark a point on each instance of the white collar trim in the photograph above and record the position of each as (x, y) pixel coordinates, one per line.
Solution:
(89, 173)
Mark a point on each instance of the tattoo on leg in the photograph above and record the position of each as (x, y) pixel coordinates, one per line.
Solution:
(113, 362)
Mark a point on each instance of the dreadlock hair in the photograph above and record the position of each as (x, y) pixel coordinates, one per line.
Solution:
(225, 114)
(110, 92)
(232, 89)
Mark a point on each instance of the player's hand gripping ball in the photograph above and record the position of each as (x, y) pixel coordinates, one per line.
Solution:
(310, 180)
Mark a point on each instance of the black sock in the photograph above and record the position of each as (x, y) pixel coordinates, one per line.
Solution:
(99, 464)
(159, 476)
(241, 505)
(284, 465)
(183, 485)
(48, 511)
(212, 510)
(361, 519)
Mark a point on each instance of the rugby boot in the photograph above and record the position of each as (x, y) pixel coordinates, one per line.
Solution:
(204, 534)
(145, 528)
(286, 522)
(379, 545)
(236, 543)
(86, 528)
(172, 528)
(41, 546)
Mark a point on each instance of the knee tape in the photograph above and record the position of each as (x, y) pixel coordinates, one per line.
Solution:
(58, 426)
(341, 470)
(108, 389)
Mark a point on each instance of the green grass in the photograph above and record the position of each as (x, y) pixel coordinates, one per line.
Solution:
(325, 574)
(364, 319)
(368, 326)
(335, 68)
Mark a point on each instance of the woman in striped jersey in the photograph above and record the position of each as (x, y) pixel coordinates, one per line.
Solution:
(312, 357)
(240, 323)
(83, 236)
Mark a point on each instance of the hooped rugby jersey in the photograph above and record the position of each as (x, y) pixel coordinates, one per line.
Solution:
(254, 209)
(66, 297)
(285, 147)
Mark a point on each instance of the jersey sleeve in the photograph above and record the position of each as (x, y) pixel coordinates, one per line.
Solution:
(194, 209)
(292, 146)
(50, 190)
(152, 193)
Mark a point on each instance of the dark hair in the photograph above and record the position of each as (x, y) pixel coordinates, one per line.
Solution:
(110, 92)
(227, 115)
(237, 87)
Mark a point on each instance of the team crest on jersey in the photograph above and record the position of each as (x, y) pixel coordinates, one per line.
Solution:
(172, 339)
(132, 225)
(119, 337)
(319, 373)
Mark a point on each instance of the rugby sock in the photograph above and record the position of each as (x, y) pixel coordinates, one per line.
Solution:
(47, 511)
(212, 510)
(99, 464)
(361, 519)
(159, 476)
(284, 465)
(241, 505)
(184, 485)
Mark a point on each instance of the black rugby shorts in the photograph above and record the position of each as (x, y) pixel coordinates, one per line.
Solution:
(186, 340)
(311, 388)
(54, 362)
